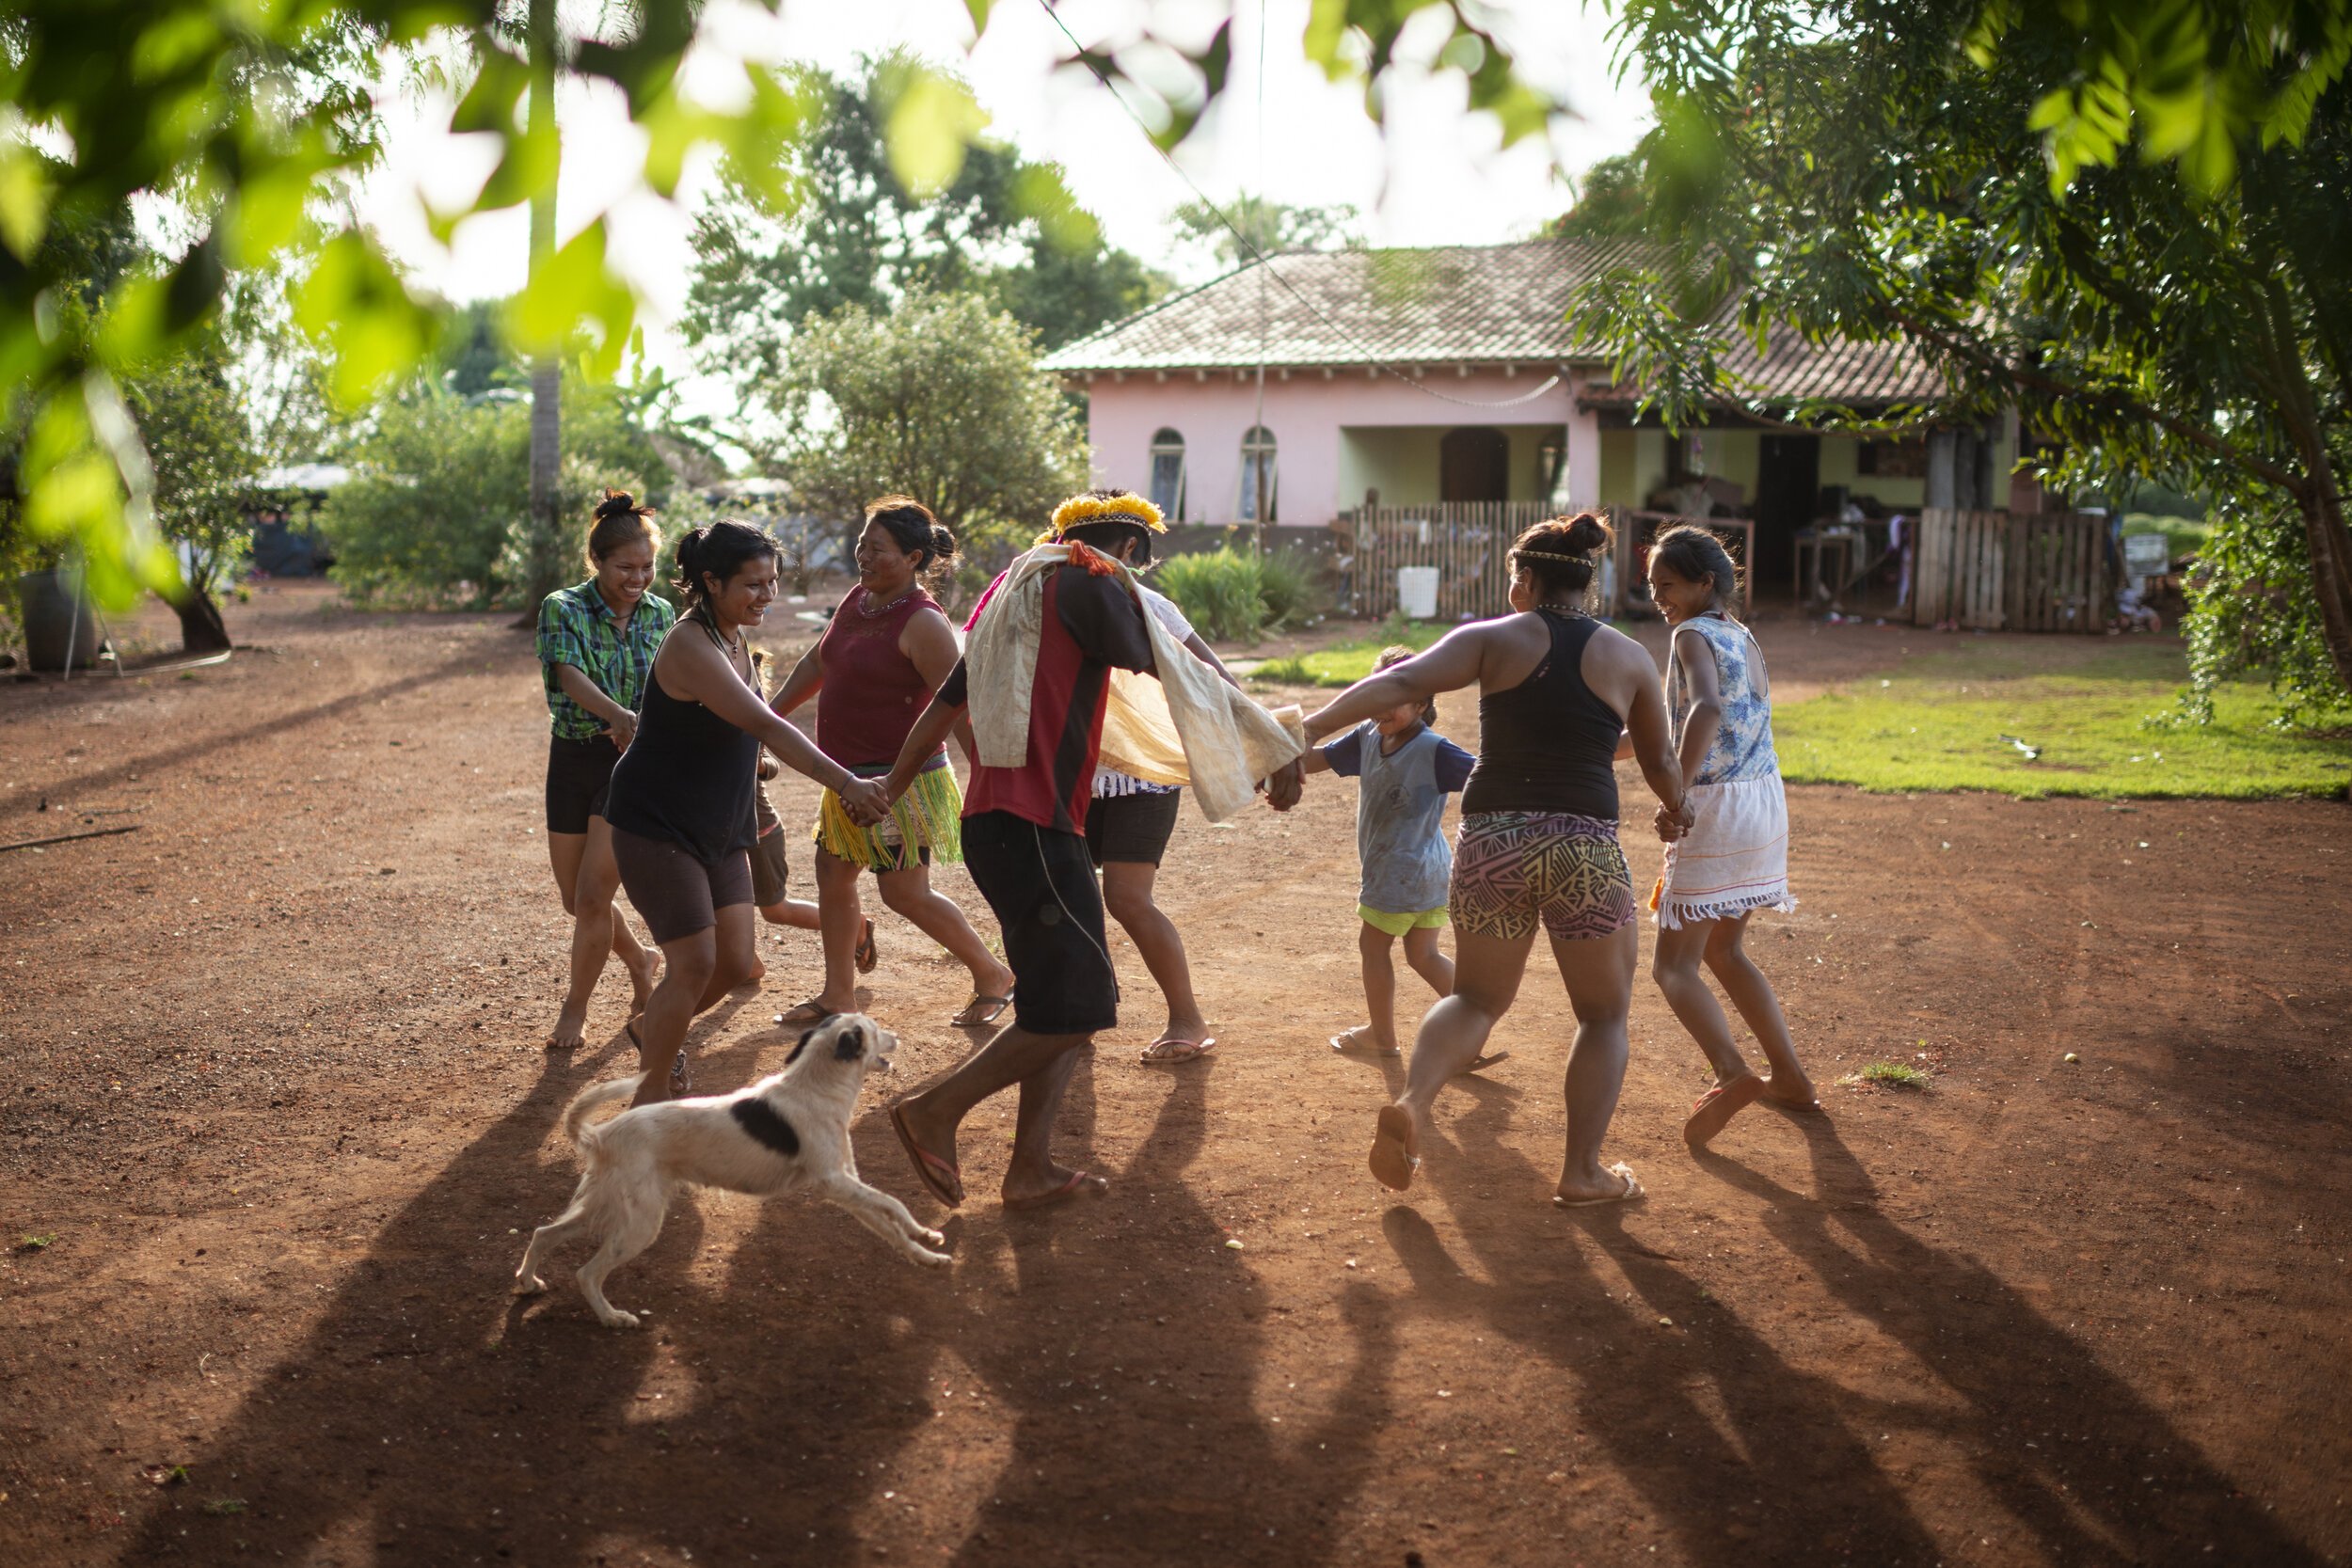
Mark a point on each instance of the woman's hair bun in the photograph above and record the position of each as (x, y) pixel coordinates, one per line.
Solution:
(1585, 534)
(615, 502)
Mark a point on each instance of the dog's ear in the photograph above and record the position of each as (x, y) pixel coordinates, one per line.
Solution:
(849, 1044)
(799, 1045)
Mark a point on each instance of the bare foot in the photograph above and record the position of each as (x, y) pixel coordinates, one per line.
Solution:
(1717, 1106)
(571, 1030)
(1059, 1185)
(759, 973)
(1791, 1090)
(1362, 1039)
(1393, 1157)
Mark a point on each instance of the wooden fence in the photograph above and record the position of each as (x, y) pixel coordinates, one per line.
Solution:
(1466, 541)
(1996, 571)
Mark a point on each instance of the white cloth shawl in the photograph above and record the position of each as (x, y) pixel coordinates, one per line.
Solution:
(1188, 727)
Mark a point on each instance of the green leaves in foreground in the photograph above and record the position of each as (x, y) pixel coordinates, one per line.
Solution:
(1938, 724)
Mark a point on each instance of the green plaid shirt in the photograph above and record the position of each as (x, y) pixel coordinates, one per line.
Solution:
(576, 627)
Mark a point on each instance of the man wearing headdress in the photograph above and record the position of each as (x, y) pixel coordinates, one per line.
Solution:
(1036, 679)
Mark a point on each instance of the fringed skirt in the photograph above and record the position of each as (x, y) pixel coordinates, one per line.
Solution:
(1734, 859)
(926, 825)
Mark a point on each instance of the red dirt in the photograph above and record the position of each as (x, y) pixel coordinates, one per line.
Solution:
(278, 1099)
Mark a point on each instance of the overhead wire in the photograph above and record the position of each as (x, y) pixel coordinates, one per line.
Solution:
(1371, 360)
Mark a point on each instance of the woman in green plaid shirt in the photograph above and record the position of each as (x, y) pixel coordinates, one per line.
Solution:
(596, 641)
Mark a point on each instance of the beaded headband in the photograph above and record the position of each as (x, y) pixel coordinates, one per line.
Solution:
(1549, 555)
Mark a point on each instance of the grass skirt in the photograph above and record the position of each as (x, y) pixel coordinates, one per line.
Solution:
(929, 815)
(1734, 859)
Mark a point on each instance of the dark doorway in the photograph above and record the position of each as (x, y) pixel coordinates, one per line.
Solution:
(1788, 494)
(1474, 465)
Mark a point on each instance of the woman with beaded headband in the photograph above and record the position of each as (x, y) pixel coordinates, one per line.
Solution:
(1538, 841)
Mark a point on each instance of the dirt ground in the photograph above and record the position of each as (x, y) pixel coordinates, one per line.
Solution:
(276, 1100)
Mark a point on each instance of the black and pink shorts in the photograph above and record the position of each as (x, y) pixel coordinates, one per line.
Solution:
(1514, 870)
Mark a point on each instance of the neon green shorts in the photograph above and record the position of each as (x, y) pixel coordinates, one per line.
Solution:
(1397, 924)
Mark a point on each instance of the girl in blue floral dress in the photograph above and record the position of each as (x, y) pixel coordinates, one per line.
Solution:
(1727, 838)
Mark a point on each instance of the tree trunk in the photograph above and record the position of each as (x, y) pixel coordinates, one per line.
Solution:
(547, 383)
(201, 631)
(2330, 546)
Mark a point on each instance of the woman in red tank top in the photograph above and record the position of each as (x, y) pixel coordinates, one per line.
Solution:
(885, 652)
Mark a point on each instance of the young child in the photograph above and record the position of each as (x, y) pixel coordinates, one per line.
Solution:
(1728, 841)
(1406, 770)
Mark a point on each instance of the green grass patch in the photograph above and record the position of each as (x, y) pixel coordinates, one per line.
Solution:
(2181, 536)
(1345, 663)
(1895, 1075)
(2099, 725)
(35, 1243)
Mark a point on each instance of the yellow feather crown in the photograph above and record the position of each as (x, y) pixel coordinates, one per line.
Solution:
(1080, 510)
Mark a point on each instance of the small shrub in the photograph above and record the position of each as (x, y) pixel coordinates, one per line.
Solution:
(1289, 584)
(1895, 1075)
(1218, 591)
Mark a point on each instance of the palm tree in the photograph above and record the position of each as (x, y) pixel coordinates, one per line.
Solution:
(547, 380)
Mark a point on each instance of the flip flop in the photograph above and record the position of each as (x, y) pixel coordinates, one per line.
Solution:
(811, 1012)
(997, 1004)
(1167, 1052)
(1483, 1063)
(1080, 1184)
(1712, 1111)
(938, 1177)
(1347, 1047)
(1633, 1190)
(680, 1080)
(867, 957)
(1394, 1123)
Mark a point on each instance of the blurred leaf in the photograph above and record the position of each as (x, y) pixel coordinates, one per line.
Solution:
(569, 289)
(932, 119)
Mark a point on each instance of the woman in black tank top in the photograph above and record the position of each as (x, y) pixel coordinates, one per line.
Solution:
(1538, 845)
(680, 803)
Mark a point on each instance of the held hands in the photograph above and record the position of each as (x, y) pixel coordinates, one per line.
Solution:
(621, 731)
(1674, 821)
(1283, 789)
(866, 801)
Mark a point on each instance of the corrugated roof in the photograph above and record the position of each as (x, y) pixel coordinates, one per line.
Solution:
(1790, 370)
(1448, 303)
(1455, 304)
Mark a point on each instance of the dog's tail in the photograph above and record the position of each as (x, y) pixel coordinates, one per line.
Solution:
(575, 1114)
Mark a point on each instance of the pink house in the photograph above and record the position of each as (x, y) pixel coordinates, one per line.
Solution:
(1451, 375)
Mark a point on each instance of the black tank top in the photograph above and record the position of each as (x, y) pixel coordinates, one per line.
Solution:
(1548, 744)
(689, 776)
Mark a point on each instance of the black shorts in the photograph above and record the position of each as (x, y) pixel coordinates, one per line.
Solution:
(676, 893)
(769, 874)
(1132, 827)
(578, 773)
(1040, 886)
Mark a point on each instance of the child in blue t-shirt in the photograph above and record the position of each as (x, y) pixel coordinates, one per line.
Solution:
(1406, 770)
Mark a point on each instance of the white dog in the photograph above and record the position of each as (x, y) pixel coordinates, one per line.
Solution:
(788, 1131)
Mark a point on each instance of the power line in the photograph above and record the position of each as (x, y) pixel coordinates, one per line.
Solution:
(1249, 246)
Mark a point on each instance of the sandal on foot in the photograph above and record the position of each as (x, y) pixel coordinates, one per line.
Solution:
(1712, 1112)
(867, 957)
(1631, 1190)
(1395, 1124)
(1169, 1050)
(1080, 1184)
(1347, 1045)
(680, 1080)
(939, 1178)
(996, 1006)
(807, 1015)
(1483, 1063)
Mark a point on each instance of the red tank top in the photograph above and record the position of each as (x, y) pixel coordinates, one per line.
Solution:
(872, 693)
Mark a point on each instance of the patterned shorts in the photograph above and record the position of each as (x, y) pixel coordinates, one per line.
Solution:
(1514, 868)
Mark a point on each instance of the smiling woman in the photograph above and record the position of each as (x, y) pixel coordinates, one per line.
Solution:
(680, 804)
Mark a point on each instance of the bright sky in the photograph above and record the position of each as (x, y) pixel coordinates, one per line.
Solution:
(1437, 176)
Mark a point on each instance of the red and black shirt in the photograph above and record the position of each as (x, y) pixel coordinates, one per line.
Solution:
(1091, 626)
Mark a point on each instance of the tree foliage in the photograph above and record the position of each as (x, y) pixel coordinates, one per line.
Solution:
(941, 398)
(2125, 220)
(194, 418)
(1261, 227)
(255, 118)
(850, 223)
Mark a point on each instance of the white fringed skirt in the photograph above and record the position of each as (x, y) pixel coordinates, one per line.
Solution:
(1734, 859)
